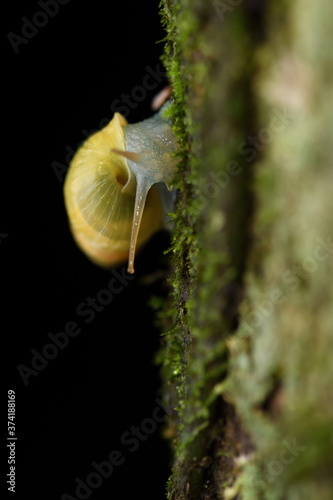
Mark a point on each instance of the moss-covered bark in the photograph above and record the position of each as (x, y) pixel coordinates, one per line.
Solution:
(246, 359)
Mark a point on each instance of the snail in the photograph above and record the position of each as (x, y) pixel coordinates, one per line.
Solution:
(112, 191)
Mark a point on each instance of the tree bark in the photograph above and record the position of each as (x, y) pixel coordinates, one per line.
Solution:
(246, 360)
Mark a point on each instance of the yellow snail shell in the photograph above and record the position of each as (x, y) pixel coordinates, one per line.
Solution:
(112, 204)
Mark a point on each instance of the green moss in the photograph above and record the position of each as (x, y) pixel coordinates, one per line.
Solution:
(194, 354)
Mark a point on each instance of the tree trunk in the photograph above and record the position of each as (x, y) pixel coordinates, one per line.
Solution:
(247, 357)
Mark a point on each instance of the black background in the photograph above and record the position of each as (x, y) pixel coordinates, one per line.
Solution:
(64, 80)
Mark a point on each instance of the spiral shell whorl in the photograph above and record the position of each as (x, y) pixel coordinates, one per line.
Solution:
(100, 198)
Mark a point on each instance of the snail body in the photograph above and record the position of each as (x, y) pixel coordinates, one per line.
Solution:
(110, 191)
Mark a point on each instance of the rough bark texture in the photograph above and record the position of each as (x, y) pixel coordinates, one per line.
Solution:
(247, 357)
